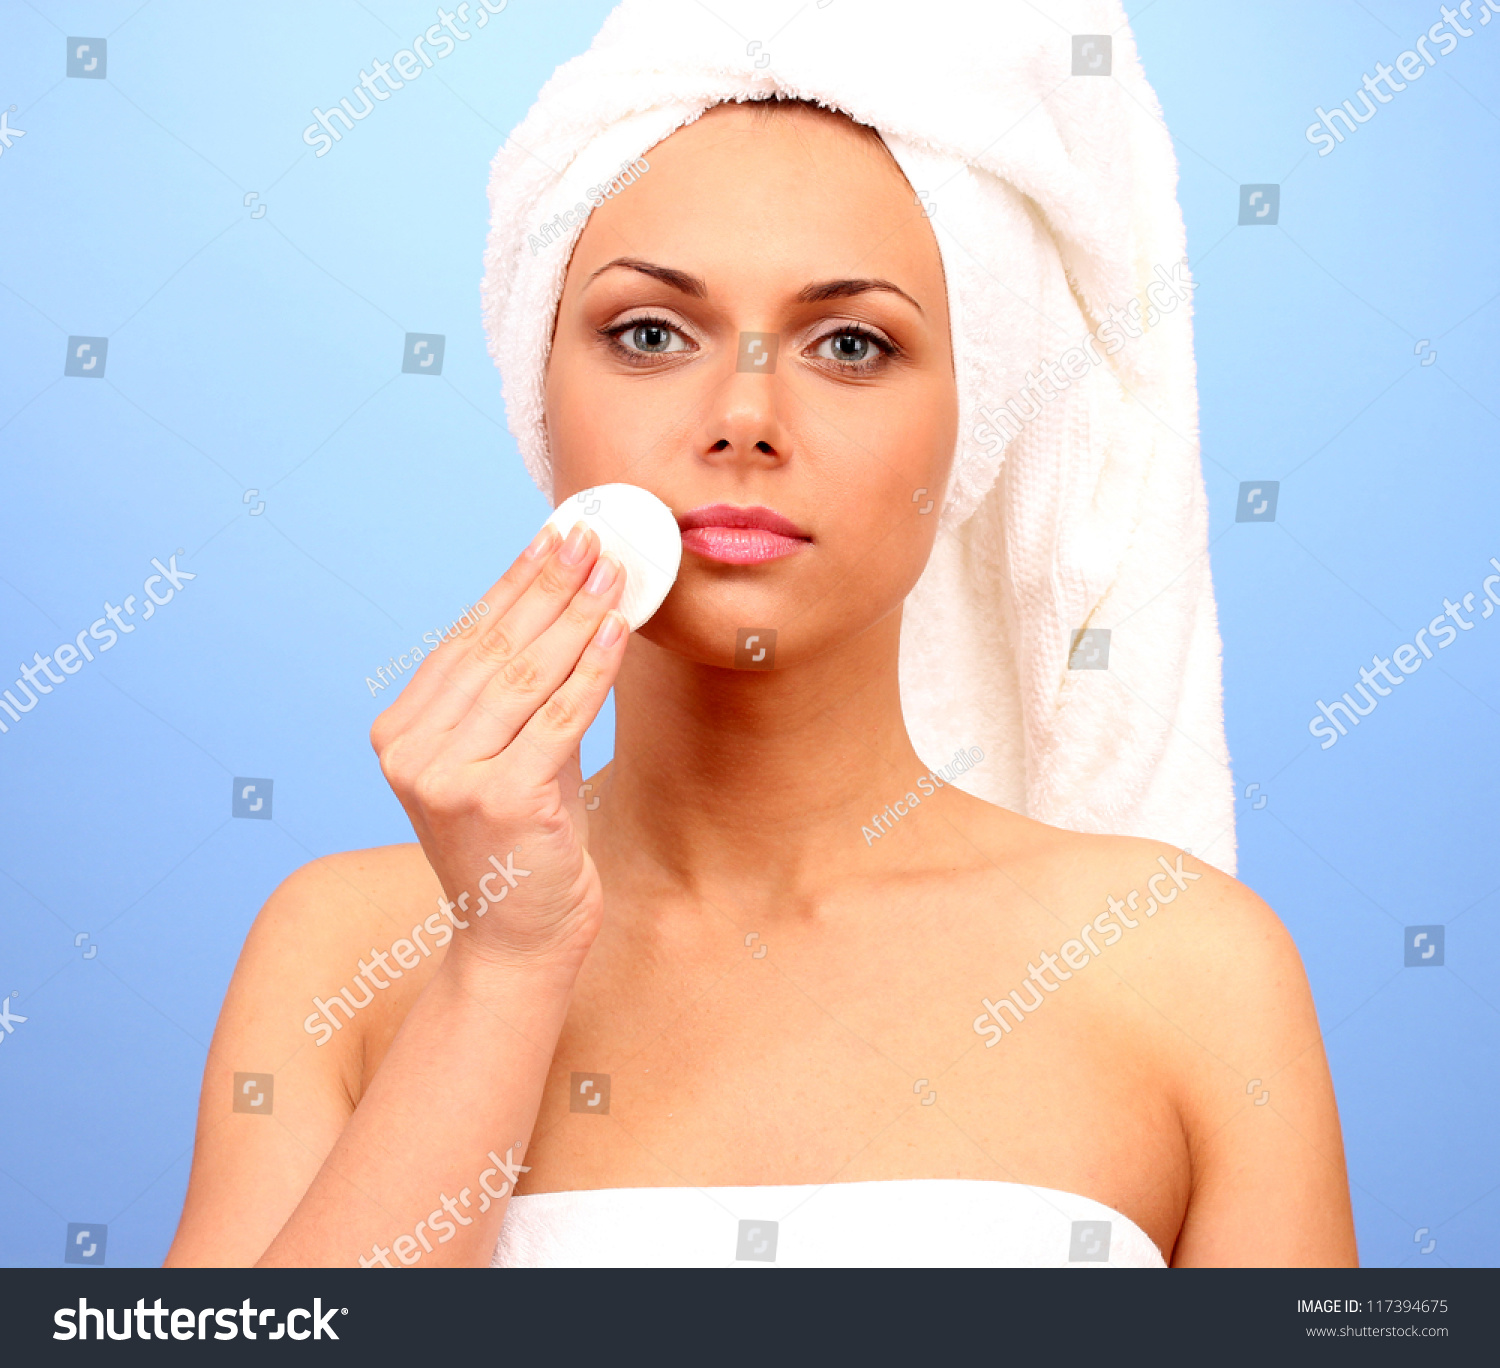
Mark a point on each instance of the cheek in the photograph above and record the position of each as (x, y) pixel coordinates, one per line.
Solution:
(883, 551)
(895, 456)
(876, 538)
(574, 428)
(605, 429)
(893, 492)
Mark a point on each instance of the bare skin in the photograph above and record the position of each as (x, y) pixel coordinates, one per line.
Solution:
(1180, 1080)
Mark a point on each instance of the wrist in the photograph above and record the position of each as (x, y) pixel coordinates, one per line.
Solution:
(491, 975)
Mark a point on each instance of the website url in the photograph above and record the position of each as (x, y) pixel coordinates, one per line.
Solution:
(1377, 1331)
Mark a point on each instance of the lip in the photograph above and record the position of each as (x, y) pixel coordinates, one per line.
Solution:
(740, 536)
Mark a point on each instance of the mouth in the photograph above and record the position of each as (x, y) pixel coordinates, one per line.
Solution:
(740, 536)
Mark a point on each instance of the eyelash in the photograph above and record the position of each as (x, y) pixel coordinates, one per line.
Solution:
(887, 349)
(615, 331)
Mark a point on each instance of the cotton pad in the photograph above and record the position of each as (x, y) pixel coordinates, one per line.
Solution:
(639, 531)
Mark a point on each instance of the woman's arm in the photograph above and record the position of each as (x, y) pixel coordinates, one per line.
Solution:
(482, 750)
(1269, 1185)
(317, 1181)
(443, 1128)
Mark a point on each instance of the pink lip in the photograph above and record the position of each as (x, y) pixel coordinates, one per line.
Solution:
(740, 536)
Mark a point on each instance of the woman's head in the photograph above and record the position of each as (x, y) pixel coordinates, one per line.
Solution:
(761, 319)
(1075, 494)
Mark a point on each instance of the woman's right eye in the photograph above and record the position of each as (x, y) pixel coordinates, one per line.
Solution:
(649, 337)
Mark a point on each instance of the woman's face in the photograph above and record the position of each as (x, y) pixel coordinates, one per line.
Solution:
(761, 320)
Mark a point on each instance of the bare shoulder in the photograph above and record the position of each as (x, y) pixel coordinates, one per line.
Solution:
(1216, 960)
(1218, 927)
(361, 926)
(1206, 983)
(344, 899)
(1243, 1043)
(301, 1031)
(1220, 973)
(1182, 925)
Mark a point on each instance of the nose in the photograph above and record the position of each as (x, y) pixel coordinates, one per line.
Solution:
(742, 426)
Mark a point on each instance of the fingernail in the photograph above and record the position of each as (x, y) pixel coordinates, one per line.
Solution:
(577, 542)
(610, 629)
(542, 542)
(603, 576)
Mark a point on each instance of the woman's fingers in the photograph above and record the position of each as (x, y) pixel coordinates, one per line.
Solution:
(461, 677)
(433, 673)
(507, 636)
(552, 735)
(530, 677)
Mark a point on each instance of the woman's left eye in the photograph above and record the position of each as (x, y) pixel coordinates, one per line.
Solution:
(850, 347)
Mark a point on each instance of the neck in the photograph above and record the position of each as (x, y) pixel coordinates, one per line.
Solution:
(757, 785)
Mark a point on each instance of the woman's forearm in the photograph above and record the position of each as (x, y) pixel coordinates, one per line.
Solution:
(441, 1129)
(475, 748)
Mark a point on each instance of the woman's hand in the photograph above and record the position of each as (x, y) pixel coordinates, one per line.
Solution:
(482, 749)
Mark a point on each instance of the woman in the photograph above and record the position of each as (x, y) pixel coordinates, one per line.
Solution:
(713, 1009)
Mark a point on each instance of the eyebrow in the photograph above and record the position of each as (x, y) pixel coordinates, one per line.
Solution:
(678, 280)
(692, 285)
(845, 289)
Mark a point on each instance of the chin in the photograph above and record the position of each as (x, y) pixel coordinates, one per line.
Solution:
(703, 629)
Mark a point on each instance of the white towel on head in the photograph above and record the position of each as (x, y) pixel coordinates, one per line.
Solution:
(1053, 198)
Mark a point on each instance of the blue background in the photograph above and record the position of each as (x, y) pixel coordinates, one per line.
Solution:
(264, 354)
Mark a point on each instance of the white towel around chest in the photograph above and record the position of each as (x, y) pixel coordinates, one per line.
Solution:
(888, 1223)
